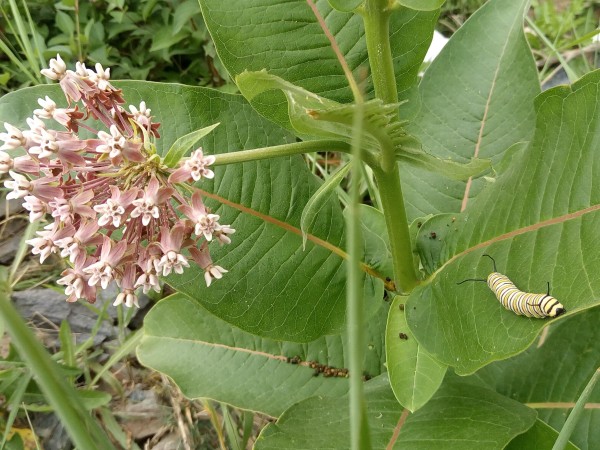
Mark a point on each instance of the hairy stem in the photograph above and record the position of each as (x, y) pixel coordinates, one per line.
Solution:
(394, 212)
(376, 18)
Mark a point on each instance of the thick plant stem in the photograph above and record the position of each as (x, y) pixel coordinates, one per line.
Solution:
(281, 150)
(83, 430)
(376, 18)
(394, 212)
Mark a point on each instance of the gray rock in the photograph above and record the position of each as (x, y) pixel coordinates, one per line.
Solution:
(11, 239)
(47, 308)
(52, 433)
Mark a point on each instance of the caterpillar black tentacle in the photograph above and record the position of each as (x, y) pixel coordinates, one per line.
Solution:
(522, 303)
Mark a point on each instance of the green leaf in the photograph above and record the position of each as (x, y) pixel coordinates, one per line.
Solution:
(164, 38)
(4, 77)
(66, 343)
(476, 100)
(296, 428)
(180, 147)
(311, 115)
(320, 200)
(65, 23)
(421, 5)
(431, 239)
(539, 221)
(540, 436)
(184, 12)
(377, 249)
(480, 416)
(414, 375)
(211, 359)
(345, 5)
(450, 169)
(273, 288)
(260, 38)
(15, 442)
(552, 373)
(93, 399)
(300, 101)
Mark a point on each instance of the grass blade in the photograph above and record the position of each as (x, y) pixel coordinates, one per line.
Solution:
(569, 426)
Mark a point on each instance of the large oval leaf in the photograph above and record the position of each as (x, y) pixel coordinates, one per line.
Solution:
(274, 288)
(284, 37)
(539, 220)
(487, 420)
(553, 372)
(209, 358)
(540, 436)
(476, 101)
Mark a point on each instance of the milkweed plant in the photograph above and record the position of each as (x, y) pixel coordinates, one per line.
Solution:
(335, 304)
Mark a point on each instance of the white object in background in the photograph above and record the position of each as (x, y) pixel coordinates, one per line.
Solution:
(437, 44)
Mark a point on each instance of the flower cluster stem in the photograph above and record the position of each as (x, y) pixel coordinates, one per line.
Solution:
(281, 150)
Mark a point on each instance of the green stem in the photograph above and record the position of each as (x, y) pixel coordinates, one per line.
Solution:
(281, 150)
(359, 427)
(394, 212)
(84, 431)
(376, 18)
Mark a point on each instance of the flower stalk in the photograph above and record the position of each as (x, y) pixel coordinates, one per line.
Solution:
(277, 151)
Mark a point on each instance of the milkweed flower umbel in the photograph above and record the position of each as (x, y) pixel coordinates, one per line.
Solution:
(115, 211)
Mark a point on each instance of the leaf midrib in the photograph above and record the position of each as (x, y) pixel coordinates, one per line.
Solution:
(223, 346)
(519, 231)
(465, 200)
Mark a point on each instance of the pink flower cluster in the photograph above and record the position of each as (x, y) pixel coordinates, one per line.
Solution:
(115, 209)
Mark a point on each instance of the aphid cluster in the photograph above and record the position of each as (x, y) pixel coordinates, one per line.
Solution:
(327, 371)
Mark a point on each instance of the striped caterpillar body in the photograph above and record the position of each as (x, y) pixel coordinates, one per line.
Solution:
(522, 303)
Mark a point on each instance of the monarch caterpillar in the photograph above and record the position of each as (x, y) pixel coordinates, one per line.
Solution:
(522, 303)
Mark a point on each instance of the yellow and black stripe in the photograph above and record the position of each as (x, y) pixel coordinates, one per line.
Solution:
(522, 303)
